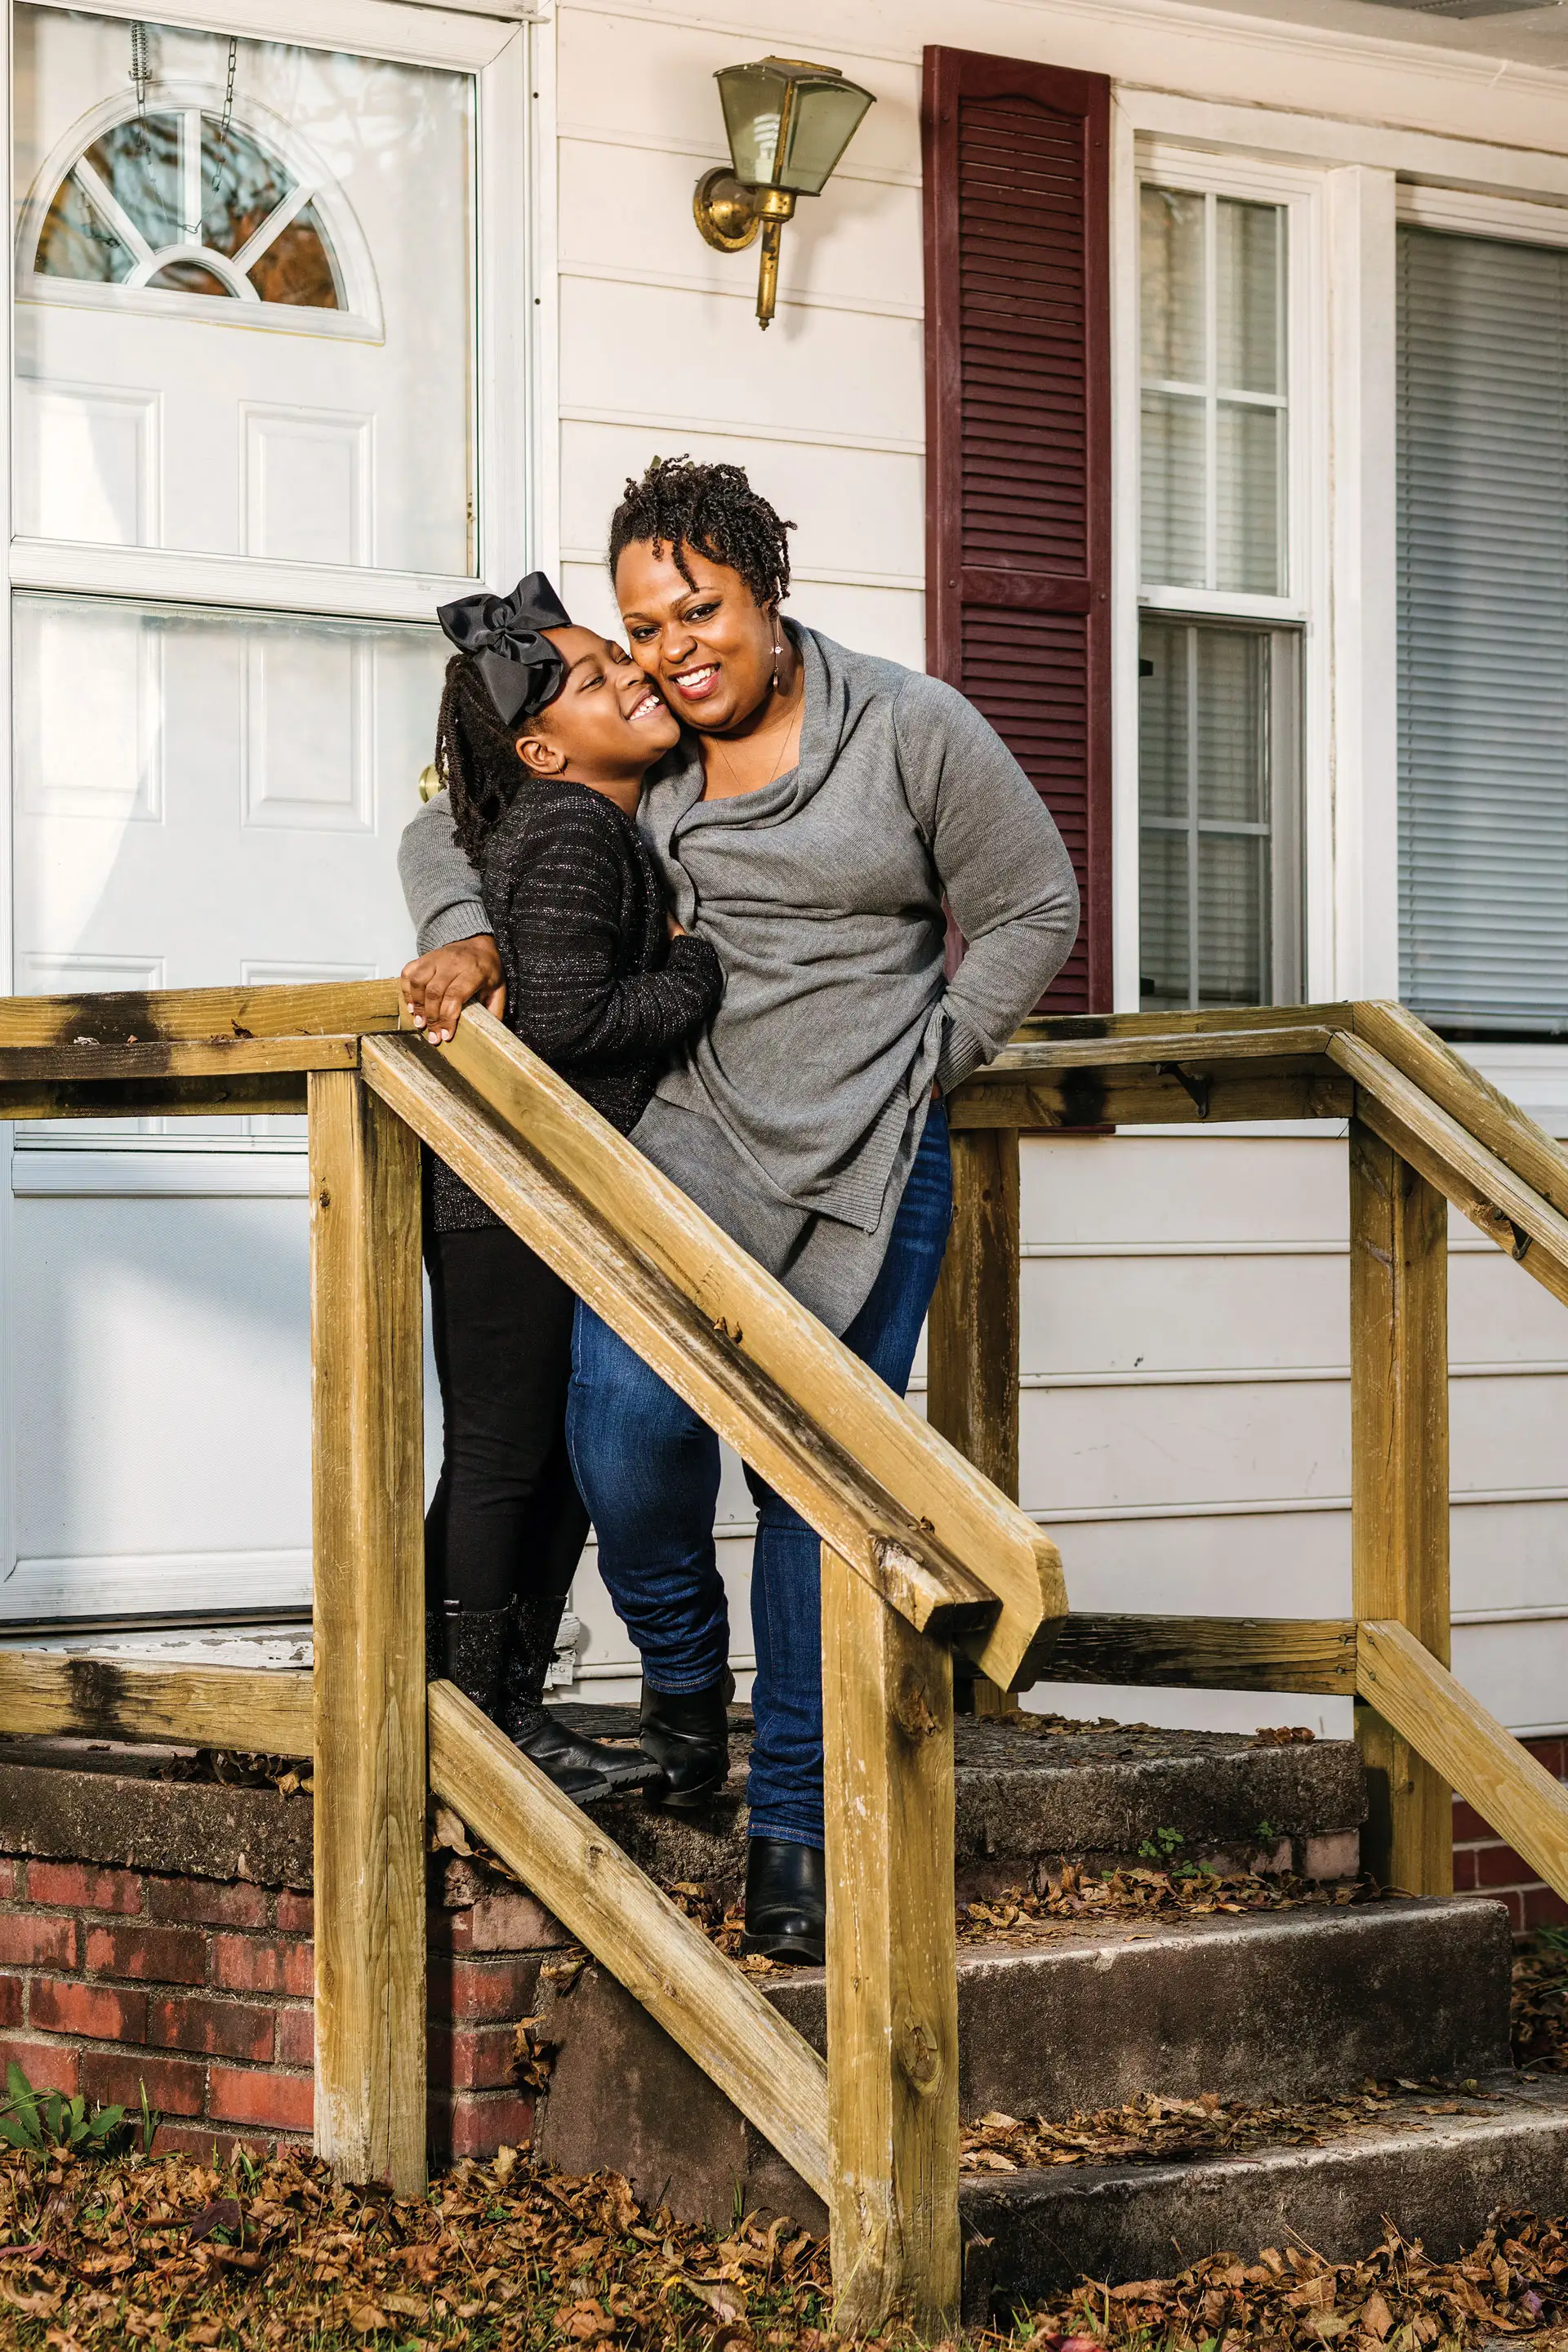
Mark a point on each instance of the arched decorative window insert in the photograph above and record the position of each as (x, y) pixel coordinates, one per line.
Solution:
(174, 205)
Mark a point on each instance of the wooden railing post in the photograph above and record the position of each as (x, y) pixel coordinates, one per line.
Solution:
(971, 1336)
(892, 1966)
(1399, 1481)
(370, 1768)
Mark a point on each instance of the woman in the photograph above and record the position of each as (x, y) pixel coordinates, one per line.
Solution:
(819, 809)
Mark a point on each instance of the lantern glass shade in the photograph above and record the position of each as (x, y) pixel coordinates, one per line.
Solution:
(818, 109)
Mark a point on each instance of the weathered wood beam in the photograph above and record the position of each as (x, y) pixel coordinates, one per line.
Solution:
(368, 1494)
(1516, 1796)
(248, 1095)
(1264, 1654)
(1181, 1093)
(702, 2000)
(1509, 1212)
(1028, 1056)
(203, 1057)
(108, 1697)
(1455, 1086)
(911, 1516)
(971, 1332)
(892, 1966)
(1236, 1022)
(139, 1016)
(1399, 1481)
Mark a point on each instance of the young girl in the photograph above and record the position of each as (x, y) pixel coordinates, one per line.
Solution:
(546, 734)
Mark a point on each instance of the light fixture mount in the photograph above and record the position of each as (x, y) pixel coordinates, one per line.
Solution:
(788, 123)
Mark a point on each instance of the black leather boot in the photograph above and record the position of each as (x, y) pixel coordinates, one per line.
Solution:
(686, 1734)
(787, 1901)
(475, 1654)
(566, 1756)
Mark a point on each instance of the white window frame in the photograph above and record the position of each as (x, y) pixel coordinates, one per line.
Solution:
(1204, 170)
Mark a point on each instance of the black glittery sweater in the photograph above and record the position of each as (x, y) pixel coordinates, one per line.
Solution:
(594, 982)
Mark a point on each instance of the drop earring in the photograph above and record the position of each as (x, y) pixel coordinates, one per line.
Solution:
(777, 651)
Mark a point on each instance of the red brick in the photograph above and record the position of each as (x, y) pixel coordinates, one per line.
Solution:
(1464, 1870)
(507, 1921)
(1544, 1908)
(157, 1955)
(76, 1886)
(1469, 1826)
(281, 2102)
(471, 2057)
(476, 2124)
(175, 2086)
(296, 2037)
(10, 1878)
(10, 2001)
(48, 2065)
(223, 2029)
(262, 1964)
(1499, 1865)
(468, 1991)
(29, 1940)
(1548, 1752)
(211, 1902)
(296, 1912)
(207, 2145)
(66, 2005)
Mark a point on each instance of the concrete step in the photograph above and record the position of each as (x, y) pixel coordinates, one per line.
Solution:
(1032, 2234)
(1033, 1792)
(1269, 2007)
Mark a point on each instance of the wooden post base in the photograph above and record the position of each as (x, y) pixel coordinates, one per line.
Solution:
(892, 1967)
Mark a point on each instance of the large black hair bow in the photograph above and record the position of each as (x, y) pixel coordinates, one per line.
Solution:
(519, 664)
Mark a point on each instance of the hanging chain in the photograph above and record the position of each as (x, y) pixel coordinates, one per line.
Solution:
(141, 74)
(227, 118)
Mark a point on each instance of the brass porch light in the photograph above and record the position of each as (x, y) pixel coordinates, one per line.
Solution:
(788, 124)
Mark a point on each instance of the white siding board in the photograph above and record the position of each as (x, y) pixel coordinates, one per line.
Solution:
(702, 355)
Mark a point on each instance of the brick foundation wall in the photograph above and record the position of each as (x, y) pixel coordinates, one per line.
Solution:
(1483, 1864)
(201, 1989)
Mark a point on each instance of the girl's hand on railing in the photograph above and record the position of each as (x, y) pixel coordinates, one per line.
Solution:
(437, 986)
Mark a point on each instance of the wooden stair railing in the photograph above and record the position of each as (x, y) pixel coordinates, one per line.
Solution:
(922, 1553)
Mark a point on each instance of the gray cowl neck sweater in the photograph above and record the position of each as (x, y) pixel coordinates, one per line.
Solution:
(794, 1120)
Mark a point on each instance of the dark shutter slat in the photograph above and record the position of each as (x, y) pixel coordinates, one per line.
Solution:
(1018, 440)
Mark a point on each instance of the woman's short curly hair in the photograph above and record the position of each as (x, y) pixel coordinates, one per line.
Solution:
(712, 510)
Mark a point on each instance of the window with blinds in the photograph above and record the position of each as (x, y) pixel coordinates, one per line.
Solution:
(1219, 882)
(1483, 633)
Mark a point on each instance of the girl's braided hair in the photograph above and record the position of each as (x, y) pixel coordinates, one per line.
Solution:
(680, 504)
(476, 756)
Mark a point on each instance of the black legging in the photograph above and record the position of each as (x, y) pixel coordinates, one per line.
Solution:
(506, 1516)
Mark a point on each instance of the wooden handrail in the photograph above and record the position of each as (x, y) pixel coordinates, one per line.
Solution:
(143, 1016)
(1515, 1796)
(701, 2000)
(1509, 1212)
(890, 1496)
(1456, 1087)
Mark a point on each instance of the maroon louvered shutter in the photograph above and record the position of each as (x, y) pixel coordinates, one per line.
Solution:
(1018, 440)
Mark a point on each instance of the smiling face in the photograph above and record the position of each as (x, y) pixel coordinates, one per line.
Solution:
(706, 641)
(607, 723)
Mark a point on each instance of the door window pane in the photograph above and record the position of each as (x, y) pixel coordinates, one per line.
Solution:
(1212, 278)
(1217, 817)
(173, 187)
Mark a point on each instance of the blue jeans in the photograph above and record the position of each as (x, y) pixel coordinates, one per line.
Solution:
(648, 1470)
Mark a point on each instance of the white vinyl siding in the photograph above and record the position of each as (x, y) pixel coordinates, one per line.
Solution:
(1483, 632)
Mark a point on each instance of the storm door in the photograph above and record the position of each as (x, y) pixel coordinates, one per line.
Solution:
(246, 442)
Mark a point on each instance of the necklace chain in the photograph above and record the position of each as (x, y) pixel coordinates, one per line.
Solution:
(778, 762)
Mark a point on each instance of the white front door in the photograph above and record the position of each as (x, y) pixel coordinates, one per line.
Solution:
(246, 449)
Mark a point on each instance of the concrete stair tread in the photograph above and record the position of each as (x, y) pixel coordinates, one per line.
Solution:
(1028, 1793)
(1436, 2177)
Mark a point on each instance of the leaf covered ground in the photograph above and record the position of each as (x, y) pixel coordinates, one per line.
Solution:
(510, 2258)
